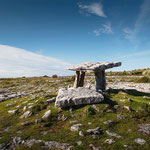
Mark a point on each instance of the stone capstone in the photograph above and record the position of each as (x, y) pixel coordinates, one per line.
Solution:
(94, 66)
(77, 96)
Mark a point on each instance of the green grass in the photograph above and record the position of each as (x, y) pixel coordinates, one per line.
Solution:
(143, 80)
(60, 130)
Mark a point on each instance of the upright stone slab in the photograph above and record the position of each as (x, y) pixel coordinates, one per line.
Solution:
(81, 81)
(100, 81)
(77, 77)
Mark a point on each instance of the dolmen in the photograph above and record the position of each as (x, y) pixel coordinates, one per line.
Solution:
(79, 95)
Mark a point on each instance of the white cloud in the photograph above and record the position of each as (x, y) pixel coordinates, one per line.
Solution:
(129, 34)
(94, 8)
(16, 62)
(139, 53)
(143, 16)
(106, 28)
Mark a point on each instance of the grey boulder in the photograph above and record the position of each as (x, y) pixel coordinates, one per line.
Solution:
(77, 96)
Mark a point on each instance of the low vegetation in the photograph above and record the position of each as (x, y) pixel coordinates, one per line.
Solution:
(143, 80)
(132, 106)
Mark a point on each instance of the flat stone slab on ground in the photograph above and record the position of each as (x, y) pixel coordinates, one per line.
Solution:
(77, 96)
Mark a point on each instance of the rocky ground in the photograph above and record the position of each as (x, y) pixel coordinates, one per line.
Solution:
(142, 87)
(29, 120)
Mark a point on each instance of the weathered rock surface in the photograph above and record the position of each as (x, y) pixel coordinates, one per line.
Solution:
(74, 121)
(38, 121)
(77, 96)
(9, 105)
(6, 129)
(13, 96)
(26, 115)
(79, 142)
(127, 146)
(75, 127)
(81, 133)
(94, 66)
(146, 97)
(95, 131)
(140, 141)
(143, 87)
(95, 148)
(46, 114)
(117, 106)
(109, 122)
(13, 111)
(26, 123)
(112, 134)
(3, 146)
(62, 117)
(51, 100)
(109, 141)
(20, 131)
(121, 117)
(24, 108)
(16, 141)
(145, 128)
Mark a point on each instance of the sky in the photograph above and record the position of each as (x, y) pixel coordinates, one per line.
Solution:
(45, 37)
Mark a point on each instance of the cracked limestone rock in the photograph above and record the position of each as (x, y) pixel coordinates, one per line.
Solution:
(140, 141)
(46, 114)
(75, 127)
(112, 134)
(95, 131)
(13, 111)
(26, 115)
(109, 141)
(77, 96)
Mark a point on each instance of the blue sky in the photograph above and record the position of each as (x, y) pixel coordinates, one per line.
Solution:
(73, 31)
